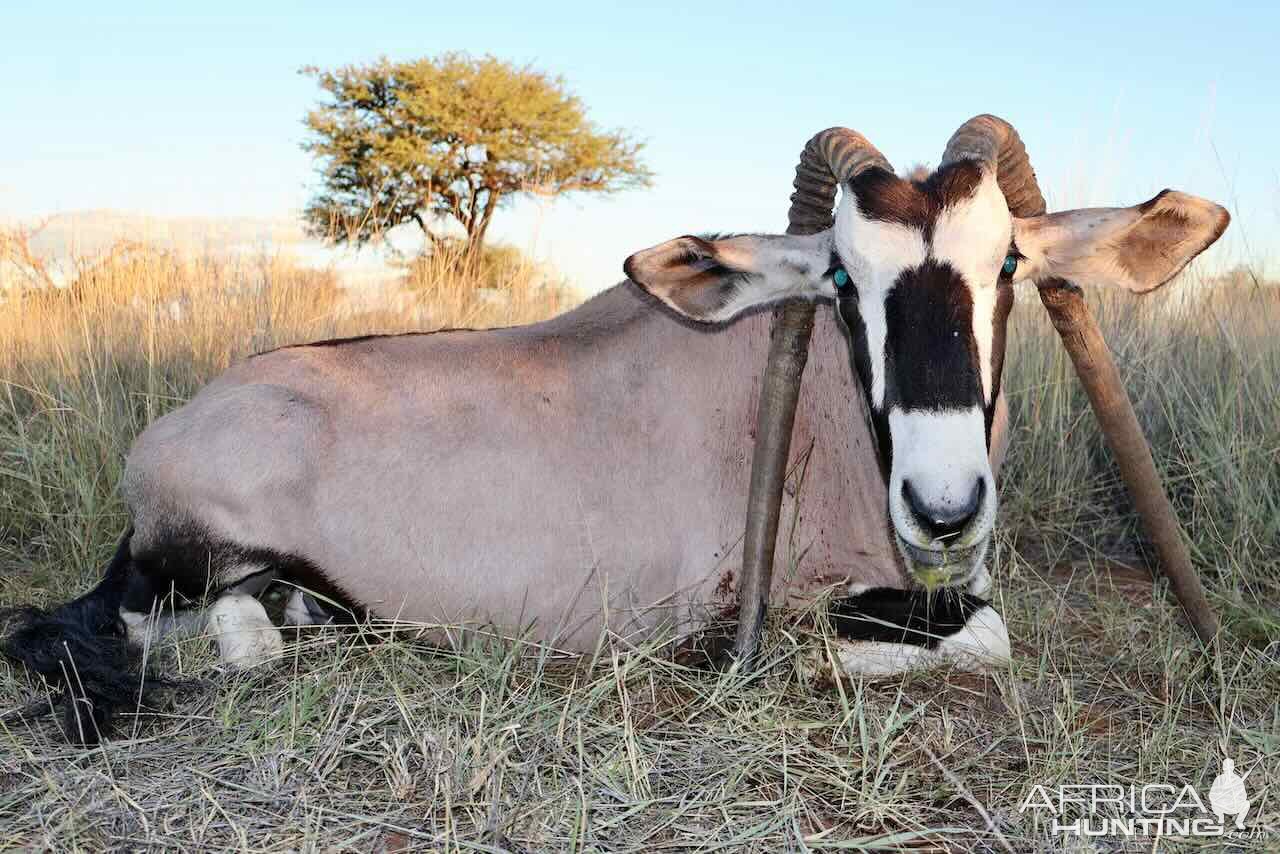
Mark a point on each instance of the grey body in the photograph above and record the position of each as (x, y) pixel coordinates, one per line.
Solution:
(521, 476)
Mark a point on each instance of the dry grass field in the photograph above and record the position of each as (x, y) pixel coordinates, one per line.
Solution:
(372, 742)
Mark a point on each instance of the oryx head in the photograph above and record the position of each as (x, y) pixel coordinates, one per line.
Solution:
(922, 275)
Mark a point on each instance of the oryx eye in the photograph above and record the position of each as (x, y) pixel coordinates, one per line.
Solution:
(1010, 265)
(841, 278)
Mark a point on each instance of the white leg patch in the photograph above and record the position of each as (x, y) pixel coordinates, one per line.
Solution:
(879, 658)
(983, 644)
(245, 635)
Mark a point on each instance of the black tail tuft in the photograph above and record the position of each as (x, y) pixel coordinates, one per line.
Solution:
(82, 648)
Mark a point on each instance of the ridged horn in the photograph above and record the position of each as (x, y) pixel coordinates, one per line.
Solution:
(830, 157)
(993, 140)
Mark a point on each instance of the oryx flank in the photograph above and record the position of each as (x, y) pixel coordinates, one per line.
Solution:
(589, 473)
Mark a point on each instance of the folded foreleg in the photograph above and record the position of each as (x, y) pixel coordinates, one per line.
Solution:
(882, 631)
(236, 621)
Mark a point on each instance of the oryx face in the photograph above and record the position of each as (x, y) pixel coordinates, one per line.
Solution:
(924, 294)
(921, 274)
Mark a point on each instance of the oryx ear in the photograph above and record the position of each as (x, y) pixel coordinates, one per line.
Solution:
(714, 279)
(1138, 248)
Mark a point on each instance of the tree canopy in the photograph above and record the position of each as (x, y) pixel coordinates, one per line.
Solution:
(451, 138)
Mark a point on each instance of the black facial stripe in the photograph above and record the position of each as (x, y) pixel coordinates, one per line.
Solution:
(999, 330)
(860, 359)
(918, 618)
(930, 351)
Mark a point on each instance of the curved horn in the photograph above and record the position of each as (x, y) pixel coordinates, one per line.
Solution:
(993, 140)
(831, 157)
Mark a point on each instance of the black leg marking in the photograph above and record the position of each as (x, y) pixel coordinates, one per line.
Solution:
(913, 617)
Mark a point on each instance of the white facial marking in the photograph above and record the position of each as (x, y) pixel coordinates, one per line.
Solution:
(973, 237)
(984, 327)
(874, 254)
(871, 310)
(943, 454)
(887, 247)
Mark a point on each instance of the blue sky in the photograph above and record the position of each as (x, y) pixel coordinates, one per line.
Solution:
(156, 109)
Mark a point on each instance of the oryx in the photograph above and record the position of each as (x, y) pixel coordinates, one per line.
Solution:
(588, 473)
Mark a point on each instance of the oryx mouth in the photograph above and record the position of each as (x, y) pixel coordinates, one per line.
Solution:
(934, 568)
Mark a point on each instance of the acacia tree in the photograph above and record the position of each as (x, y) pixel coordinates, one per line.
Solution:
(451, 138)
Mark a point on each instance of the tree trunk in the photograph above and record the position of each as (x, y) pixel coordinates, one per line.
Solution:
(486, 216)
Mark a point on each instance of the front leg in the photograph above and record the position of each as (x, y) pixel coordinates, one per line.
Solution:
(881, 631)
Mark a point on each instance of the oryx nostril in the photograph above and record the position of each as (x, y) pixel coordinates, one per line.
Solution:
(943, 521)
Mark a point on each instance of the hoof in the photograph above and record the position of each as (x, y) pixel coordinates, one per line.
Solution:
(303, 610)
(245, 635)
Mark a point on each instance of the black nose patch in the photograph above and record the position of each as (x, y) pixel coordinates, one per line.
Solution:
(942, 522)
